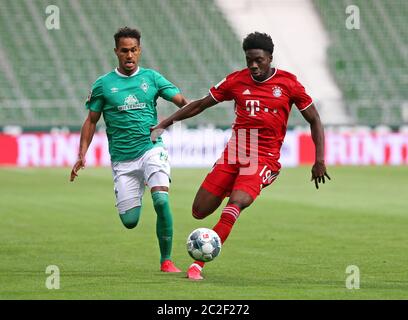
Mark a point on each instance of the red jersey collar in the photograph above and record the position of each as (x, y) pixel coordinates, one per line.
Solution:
(276, 70)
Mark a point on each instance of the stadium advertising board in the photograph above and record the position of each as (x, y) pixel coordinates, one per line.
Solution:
(200, 148)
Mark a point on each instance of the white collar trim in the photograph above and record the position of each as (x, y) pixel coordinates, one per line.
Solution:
(125, 76)
(276, 70)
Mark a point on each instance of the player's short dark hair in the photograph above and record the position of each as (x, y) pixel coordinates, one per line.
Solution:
(127, 32)
(257, 40)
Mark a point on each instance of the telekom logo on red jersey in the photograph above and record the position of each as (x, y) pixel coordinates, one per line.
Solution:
(252, 106)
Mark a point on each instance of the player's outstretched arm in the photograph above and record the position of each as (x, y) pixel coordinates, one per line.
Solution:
(87, 133)
(179, 100)
(319, 168)
(189, 110)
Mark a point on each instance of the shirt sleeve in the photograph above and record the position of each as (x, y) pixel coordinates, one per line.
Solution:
(222, 90)
(166, 89)
(299, 96)
(95, 99)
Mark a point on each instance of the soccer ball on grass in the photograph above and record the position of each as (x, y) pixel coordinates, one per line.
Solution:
(203, 244)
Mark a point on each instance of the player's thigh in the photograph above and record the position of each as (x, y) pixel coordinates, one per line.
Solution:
(156, 168)
(128, 185)
(252, 184)
(158, 181)
(215, 187)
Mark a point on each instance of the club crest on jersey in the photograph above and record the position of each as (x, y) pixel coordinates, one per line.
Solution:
(144, 86)
(276, 91)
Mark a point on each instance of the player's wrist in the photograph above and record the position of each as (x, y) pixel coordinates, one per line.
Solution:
(164, 124)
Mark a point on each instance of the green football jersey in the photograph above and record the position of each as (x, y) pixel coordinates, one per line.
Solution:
(128, 105)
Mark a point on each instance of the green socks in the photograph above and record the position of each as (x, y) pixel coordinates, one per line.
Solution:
(164, 225)
(131, 217)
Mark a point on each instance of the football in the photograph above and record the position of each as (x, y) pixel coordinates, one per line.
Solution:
(203, 244)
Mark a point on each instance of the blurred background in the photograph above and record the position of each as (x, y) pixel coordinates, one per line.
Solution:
(352, 56)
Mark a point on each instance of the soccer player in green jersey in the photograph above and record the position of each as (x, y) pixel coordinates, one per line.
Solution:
(127, 99)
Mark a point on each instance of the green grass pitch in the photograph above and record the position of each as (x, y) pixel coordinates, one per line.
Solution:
(294, 242)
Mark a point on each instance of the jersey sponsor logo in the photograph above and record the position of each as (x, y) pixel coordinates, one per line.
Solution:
(131, 103)
(276, 91)
(131, 99)
(114, 90)
(246, 92)
(252, 106)
(144, 86)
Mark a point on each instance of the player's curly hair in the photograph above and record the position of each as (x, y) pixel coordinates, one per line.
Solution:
(257, 40)
(127, 32)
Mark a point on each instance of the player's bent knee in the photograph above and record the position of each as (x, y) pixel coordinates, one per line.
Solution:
(130, 218)
(198, 217)
(160, 201)
(130, 225)
(198, 213)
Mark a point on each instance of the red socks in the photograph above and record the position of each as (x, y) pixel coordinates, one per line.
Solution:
(228, 217)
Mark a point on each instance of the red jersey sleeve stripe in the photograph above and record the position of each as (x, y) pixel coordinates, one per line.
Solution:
(212, 95)
(306, 107)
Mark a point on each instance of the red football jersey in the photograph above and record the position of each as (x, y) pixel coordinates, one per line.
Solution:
(264, 106)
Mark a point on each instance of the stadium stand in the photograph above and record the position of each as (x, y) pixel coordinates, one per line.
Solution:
(46, 74)
(370, 64)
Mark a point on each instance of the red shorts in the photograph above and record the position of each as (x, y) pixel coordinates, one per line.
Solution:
(225, 177)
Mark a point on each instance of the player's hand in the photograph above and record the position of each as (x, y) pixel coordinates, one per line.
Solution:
(155, 132)
(318, 173)
(79, 164)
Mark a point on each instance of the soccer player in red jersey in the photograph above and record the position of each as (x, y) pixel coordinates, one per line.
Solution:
(250, 162)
